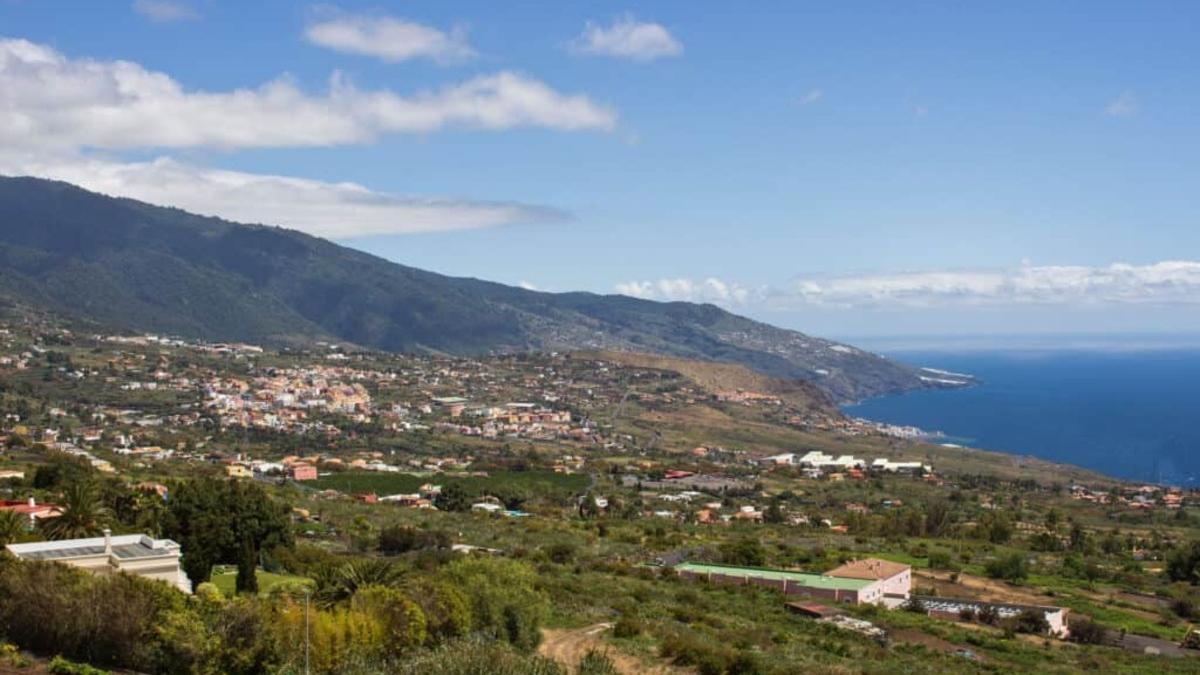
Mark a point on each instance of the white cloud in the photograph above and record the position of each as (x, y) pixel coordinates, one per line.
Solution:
(706, 290)
(628, 38)
(48, 100)
(1174, 282)
(165, 11)
(811, 97)
(389, 38)
(1125, 105)
(334, 210)
(528, 285)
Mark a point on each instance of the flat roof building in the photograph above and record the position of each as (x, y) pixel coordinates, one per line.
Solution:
(838, 589)
(135, 554)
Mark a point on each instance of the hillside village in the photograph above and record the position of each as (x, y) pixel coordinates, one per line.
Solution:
(759, 494)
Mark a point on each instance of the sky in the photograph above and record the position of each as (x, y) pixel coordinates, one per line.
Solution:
(847, 169)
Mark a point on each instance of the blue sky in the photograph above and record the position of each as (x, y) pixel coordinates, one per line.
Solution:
(844, 168)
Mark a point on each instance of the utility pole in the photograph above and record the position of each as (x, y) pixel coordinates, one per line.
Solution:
(306, 594)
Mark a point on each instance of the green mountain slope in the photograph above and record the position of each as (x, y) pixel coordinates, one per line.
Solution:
(147, 268)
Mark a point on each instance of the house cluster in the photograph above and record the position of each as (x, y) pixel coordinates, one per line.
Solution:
(284, 399)
(817, 464)
(511, 420)
(1143, 497)
(747, 397)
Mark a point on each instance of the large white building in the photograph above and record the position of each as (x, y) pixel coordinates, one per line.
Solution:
(135, 554)
(895, 578)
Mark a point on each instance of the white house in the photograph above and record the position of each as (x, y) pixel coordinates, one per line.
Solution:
(895, 578)
(135, 554)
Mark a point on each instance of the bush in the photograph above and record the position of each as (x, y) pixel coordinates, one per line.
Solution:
(447, 609)
(595, 662)
(939, 560)
(1031, 621)
(61, 666)
(627, 627)
(1183, 607)
(403, 621)
(561, 553)
(111, 620)
(505, 602)
(1010, 568)
(336, 637)
(462, 657)
(746, 552)
(1087, 632)
(396, 539)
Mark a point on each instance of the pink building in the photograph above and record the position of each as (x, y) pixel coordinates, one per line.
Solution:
(300, 472)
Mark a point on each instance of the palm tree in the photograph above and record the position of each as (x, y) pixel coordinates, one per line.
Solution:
(12, 526)
(83, 514)
(336, 583)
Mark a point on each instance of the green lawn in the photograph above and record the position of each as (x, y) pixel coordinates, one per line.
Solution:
(225, 581)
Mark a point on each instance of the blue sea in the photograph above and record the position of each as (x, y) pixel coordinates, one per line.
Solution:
(1133, 414)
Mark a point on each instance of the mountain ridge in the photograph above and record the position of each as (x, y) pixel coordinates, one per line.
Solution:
(137, 266)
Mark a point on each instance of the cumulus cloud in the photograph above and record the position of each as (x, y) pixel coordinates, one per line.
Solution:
(1163, 283)
(165, 11)
(389, 38)
(706, 290)
(333, 210)
(1125, 105)
(48, 100)
(628, 38)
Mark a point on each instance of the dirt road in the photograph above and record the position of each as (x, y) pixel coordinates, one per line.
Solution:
(567, 646)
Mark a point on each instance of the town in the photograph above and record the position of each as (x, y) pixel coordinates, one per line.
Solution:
(695, 489)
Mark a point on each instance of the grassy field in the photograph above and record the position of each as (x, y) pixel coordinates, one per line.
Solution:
(266, 581)
(397, 483)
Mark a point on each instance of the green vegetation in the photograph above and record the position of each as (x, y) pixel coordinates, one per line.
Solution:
(574, 586)
(222, 281)
(267, 582)
(498, 484)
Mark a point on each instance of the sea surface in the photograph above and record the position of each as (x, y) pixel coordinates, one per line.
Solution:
(1130, 414)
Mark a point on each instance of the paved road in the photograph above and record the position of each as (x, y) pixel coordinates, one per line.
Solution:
(1149, 645)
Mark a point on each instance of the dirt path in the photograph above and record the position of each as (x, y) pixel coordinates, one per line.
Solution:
(567, 646)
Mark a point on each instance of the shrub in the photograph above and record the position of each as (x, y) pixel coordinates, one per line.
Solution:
(396, 539)
(337, 637)
(468, 656)
(1031, 621)
(1010, 568)
(1087, 632)
(627, 627)
(505, 602)
(595, 662)
(939, 560)
(447, 609)
(747, 552)
(560, 553)
(403, 621)
(60, 666)
(110, 620)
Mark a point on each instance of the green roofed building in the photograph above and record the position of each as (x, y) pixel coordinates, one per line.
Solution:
(838, 589)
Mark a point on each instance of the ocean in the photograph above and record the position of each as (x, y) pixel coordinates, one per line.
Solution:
(1129, 414)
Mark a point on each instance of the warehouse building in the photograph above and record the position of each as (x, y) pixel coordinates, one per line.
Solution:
(824, 586)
